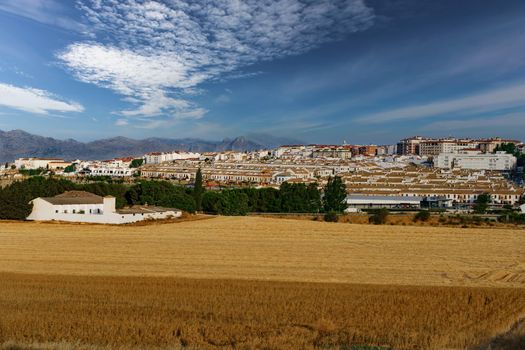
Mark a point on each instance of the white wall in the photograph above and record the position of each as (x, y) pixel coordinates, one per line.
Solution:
(106, 218)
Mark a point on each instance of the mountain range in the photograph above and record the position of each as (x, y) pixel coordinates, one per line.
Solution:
(18, 143)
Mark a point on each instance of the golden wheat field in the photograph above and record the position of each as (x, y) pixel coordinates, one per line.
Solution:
(270, 249)
(260, 283)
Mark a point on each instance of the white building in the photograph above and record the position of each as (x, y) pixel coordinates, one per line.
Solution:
(522, 208)
(80, 206)
(474, 159)
(102, 170)
(161, 157)
(37, 163)
(360, 201)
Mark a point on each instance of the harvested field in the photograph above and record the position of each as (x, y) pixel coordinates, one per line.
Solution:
(259, 283)
(211, 314)
(270, 249)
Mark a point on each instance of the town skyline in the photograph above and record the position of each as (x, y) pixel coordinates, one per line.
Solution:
(365, 75)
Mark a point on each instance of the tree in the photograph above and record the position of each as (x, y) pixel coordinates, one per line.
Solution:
(161, 193)
(299, 198)
(135, 163)
(70, 168)
(509, 148)
(198, 190)
(15, 198)
(335, 195)
(226, 202)
(482, 203)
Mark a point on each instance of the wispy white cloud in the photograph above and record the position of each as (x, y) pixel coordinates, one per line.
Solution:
(509, 121)
(50, 12)
(487, 101)
(121, 122)
(35, 100)
(155, 53)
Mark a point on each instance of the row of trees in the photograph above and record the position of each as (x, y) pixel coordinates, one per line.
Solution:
(289, 198)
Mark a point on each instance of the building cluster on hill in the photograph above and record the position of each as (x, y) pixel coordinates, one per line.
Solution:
(448, 171)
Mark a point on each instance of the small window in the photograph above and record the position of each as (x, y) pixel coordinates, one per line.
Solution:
(56, 211)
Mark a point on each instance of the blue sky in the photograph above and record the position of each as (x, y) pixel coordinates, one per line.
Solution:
(319, 71)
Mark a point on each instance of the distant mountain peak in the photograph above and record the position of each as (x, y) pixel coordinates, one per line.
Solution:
(19, 143)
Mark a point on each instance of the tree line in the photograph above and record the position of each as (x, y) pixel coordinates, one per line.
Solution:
(289, 198)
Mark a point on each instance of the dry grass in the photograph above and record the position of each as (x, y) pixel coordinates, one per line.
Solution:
(270, 249)
(125, 312)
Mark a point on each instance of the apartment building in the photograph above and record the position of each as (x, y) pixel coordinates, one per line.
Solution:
(370, 150)
(475, 159)
(409, 145)
(432, 148)
(161, 157)
(290, 151)
(334, 151)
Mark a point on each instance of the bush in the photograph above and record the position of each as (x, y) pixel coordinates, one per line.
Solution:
(331, 216)
(379, 217)
(423, 215)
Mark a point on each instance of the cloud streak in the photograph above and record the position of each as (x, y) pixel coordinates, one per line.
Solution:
(496, 99)
(49, 12)
(510, 121)
(156, 53)
(34, 100)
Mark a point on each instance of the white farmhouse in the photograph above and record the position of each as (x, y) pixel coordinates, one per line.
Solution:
(80, 206)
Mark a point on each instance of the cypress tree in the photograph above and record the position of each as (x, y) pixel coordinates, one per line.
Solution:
(198, 190)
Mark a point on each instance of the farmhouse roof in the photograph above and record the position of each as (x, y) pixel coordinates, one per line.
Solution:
(74, 197)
